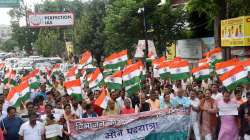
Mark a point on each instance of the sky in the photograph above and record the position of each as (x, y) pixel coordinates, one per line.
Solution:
(5, 18)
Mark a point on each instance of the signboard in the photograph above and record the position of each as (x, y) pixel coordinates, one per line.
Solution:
(9, 3)
(147, 125)
(141, 47)
(189, 49)
(69, 47)
(235, 32)
(50, 19)
(228, 109)
(53, 130)
(170, 53)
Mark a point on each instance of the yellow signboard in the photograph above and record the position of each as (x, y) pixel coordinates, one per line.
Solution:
(235, 32)
(171, 52)
(69, 48)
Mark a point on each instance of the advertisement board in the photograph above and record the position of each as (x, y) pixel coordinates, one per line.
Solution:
(9, 3)
(189, 49)
(235, 32)
(170, 53)
(37, 20)
(141, 47)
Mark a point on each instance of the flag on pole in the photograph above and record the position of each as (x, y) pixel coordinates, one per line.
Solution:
(202, 72)
(56, 68)
(233, 78)
(71, 73)
(225, 66)
(116, 60)
(203, 62)
(19, 94)
(131, 74)
(33, 73)
(214, 56)
(246, 64)
(9, 78)
(132, 89)
(179, 70)
(2, 66)
(114, 82)
(34, 82)
(95, 79)
(86, 58)
(74, 89)
(163, 69)
(103, 99)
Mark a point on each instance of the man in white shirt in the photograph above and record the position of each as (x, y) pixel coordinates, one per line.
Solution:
(32, 129)
(195, 103)
(120, 100)
(216, 95)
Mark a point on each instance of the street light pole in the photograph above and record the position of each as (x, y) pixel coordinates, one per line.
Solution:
(145, 30)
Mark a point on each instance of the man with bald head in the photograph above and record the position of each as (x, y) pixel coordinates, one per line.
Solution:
(180, 101)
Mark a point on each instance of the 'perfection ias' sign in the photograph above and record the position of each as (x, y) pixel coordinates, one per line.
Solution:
(50, 19)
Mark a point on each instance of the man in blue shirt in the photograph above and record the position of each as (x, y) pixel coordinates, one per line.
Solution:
(180, 100)
(11, 124)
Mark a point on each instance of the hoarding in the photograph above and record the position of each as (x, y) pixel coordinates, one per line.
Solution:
(189, 49)
(9, 3)
(235, 32)
(58, 19)
(141, 47)
(170, 53)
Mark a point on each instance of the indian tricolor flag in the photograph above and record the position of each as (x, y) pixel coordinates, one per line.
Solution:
(179, 70)
(9, 78)
(131, 74)
(86, 58)
(246, 64)
(95, 79)
(34, 82)
(202, 72)
(203, 62)
(74, 89)
(114, 82)
(71, 73)
(103, 99)
(155, 64)
(225, 66)
(233, 78)
(33, 73)
(116, 60)
(132, 89)
(19, 94)
(56, 68)
(215, 56)
(2, 66)
(163, 69)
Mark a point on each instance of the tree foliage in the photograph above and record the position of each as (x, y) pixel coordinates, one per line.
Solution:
(88, 29)
(107, 26)
(124, 26)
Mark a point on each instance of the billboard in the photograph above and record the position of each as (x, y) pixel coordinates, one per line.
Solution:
(141, 47)
(37, 20)
(170, 53)
(194, 48)
(9, 3)
(235, 32)
(189, 49)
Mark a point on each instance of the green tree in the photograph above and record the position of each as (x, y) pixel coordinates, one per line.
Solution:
(9, 45)
(88, 29)
(49, 43)
(25, 37)
(216, 10)
(124, 27)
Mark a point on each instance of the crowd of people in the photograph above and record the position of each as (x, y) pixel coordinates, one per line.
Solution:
(52, 105)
